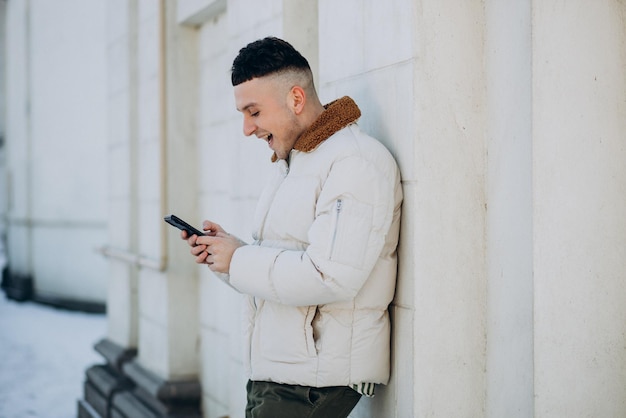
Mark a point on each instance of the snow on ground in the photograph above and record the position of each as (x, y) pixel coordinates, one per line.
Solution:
(44, 353)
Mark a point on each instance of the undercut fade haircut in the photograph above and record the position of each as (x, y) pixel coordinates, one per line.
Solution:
(264, 57)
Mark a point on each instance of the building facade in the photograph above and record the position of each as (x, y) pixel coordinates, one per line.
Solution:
(507, 119)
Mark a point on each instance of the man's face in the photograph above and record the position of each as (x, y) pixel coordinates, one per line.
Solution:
(267, 113)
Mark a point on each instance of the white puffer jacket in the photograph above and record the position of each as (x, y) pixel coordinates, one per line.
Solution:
(322, 271)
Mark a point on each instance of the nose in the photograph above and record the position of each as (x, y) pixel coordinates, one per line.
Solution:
(249, 126)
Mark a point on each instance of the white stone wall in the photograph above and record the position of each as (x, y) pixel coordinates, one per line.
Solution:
(3, 99)
(56, 159)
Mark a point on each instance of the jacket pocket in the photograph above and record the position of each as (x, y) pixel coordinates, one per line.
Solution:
(351, 226)
(286, 333)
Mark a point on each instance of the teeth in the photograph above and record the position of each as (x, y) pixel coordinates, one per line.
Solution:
(267, 137)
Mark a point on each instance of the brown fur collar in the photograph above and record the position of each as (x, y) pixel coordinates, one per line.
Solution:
(338, 114)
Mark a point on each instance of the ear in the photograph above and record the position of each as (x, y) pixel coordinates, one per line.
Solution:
(298, 99)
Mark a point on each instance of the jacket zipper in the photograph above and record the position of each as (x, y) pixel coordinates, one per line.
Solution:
(338, 206)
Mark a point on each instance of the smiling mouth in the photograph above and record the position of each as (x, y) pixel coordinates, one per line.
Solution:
(268, 138)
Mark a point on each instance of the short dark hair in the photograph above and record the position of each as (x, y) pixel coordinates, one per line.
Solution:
(264, 57)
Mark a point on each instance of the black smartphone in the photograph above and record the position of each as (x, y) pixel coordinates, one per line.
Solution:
(182, 225)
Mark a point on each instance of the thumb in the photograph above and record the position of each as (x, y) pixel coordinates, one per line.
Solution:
(212, 227)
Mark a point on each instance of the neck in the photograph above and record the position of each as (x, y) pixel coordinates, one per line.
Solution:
(312, 114)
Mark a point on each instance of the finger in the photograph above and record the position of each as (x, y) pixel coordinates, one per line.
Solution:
(198, 249)
(192, 240)
(211, 227)
(207, 240)
(201, 258)
(212, 263)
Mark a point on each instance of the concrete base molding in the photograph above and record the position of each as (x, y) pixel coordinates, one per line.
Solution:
(21, 288)
(17, 287)
(124, 389)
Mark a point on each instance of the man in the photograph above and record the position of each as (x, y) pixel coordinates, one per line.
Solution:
(322, 269)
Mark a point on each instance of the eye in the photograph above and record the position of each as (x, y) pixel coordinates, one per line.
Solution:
(254, 114)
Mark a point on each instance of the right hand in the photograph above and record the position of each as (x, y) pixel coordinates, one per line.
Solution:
(200, 250)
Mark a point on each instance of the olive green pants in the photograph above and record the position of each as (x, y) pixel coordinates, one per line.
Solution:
(273, 400)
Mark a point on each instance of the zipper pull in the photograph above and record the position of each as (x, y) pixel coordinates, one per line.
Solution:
(339, 203)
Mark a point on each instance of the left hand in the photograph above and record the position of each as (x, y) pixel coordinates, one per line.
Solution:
(217, 251)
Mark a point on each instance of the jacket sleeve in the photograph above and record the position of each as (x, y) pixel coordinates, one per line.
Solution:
(353, 214)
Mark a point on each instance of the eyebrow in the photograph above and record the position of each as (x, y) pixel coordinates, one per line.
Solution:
(246, 107)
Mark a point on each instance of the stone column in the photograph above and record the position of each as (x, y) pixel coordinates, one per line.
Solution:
(509, 226)
(106, 381)
(579, 210)
(151, 351)
(17, 280)
(448, 252)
